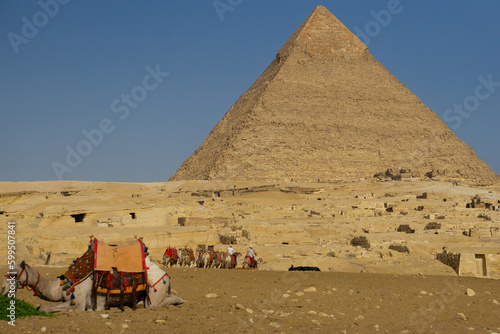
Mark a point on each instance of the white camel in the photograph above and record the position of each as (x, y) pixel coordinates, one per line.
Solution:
(51, 290)
(228, 263)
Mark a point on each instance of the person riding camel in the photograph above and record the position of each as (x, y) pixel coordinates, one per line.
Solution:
(251, 253)
(230, 251)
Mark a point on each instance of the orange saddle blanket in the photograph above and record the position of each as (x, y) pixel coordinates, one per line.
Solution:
(129, 258)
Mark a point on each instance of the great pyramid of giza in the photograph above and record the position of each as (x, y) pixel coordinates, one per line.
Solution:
(325, 109)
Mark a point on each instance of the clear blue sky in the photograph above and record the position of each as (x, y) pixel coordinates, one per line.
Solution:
(75, 69)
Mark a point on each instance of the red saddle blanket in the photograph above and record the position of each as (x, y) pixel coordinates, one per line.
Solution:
(172, 253)
(250, 261)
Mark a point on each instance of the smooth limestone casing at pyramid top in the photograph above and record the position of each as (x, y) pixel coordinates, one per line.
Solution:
(326, 109)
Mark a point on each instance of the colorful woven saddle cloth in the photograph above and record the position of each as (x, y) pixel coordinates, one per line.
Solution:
(120, 282)
(127, 259)
(81, 268)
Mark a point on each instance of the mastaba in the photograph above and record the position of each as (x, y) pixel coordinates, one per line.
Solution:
(326, 110)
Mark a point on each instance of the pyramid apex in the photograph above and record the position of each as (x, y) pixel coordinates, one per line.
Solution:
(320, 8)
(322, 34)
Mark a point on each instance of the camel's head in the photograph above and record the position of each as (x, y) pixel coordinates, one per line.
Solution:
(9, 284)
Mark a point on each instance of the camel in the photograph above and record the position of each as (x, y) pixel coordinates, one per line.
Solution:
(207, 259)
(248, 262)
(200, 262)
(51, 290)
(185, 257)
(217, 260)
(228, 262)
(170, 257)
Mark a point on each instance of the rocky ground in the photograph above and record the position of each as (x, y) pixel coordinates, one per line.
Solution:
(359, 290)
(253, 301)
(287, 223)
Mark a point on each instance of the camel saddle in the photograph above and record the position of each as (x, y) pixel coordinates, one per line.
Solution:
(119, 271)
(129, 258)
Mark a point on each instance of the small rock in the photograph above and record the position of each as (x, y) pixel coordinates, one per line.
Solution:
(275, 325)
(239, 307)
(360, 317)
(249, 310)
(286, 295)
(299, 294)
(312, 312)
(324, 315)
(496, 302)
(105, 316)
(470, 292)
(310, 289)
(461, 316)
(124, 326)
(471, 328)
(283, 314)
(377, 327)
(160, 321)
(211, 295)
(315, 322)
(110, 325)
(43, 329)
(423, 292)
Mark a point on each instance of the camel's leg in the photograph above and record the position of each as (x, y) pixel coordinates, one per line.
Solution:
(61, 307)
(170, 300)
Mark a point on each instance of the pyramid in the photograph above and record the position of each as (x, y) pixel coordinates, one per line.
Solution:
(326, 110)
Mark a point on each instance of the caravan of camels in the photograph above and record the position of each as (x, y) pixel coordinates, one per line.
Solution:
(209, 258)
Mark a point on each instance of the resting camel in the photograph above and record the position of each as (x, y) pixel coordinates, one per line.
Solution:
(51, 290)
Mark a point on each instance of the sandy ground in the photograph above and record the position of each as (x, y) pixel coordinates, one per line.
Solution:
(253, 301)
